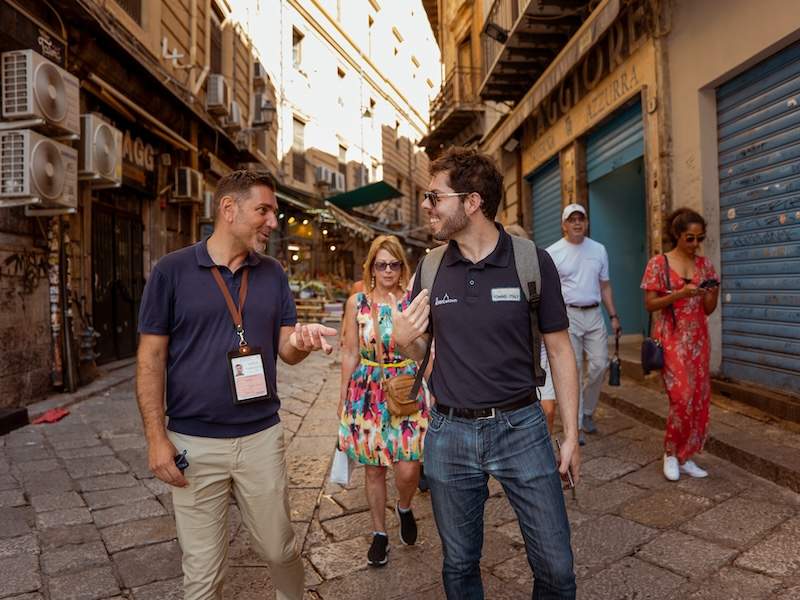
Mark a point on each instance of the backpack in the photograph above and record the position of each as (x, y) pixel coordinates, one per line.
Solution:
(526, 261)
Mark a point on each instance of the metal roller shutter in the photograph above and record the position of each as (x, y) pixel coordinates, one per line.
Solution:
(546, 191)
(758, 119)
(615, 143)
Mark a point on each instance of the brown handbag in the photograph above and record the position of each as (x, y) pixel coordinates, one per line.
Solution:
(399, 391)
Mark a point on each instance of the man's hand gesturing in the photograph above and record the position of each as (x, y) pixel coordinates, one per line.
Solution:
(411, 323)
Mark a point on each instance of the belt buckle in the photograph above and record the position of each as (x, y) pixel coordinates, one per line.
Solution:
(491, 416)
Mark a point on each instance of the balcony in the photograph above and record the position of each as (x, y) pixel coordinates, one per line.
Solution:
(520, 38)
(455, 107)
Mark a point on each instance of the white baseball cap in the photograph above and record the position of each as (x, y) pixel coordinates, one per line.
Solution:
(572, 208)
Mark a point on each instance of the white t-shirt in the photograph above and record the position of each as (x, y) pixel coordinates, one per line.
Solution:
(581, 268)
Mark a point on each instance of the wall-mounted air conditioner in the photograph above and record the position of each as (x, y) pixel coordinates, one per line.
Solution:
(188, 185)
(35, 88)
(260, 77)
(218, 95)
(36, 170)
(100, 158)
(323, 175)
(263, 111)
(338, 182)
(233, 122)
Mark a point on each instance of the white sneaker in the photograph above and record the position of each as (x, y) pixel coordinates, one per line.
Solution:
(692, 470)
(671, 468)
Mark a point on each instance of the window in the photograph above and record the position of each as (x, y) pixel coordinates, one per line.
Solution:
(340, 72)
(415, 60)
(343, 163)
(397, 35)
(297, 47)
(215, 58)
(298, 150)
(133, 8)
(397, 135)
(370, 23)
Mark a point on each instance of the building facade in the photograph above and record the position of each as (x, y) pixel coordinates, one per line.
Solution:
(147, 104)
(609, 107)
(355, 79)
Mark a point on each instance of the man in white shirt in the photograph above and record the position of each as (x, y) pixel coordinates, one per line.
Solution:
(582, 266)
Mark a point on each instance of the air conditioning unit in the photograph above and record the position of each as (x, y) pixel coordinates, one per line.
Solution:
(323, 175)
(260, 76)
(263, 111)
(218, 95)
(233, 122)
(100, 159)
(208, 205)
(188, 185)
(36, 170)
(339, 182)
(35, 88)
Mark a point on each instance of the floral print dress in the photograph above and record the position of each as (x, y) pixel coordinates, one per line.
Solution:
(367, 431)
(686, 357)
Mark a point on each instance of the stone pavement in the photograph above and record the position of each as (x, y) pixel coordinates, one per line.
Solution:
(81, 517)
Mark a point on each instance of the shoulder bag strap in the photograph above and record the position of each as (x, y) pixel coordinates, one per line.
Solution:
(668, 281)
(376, 334)
(526, 260)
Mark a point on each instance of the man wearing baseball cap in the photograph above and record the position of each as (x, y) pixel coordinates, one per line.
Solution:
(582, 266)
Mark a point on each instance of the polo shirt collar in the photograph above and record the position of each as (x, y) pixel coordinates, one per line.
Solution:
(204, 258)
(499, 257)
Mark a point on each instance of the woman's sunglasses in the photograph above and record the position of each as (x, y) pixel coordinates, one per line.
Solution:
(433, 197)
(694, 238)
(395, 265)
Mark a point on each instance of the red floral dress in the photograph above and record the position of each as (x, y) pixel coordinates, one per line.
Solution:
(686, 357)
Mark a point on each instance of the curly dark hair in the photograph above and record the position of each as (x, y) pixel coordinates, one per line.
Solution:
(470, 171)
(679, 220)
(239, 183)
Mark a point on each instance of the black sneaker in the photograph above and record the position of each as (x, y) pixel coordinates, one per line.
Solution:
(378, 551)
(408, 526)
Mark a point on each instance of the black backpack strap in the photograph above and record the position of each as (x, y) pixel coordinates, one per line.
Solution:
(526, 260)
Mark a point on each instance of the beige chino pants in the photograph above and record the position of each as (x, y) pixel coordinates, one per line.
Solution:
(254, 468)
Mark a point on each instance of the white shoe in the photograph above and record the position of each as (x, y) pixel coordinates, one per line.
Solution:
(671, 468)
(692, 470)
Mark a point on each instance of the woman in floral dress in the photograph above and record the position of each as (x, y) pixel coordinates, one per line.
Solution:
(368, 432)
(681, 310)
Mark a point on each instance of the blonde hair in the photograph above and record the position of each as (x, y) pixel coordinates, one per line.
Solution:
(392, 245)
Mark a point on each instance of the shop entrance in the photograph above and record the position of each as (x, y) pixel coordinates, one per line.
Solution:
(617, 214)
(117, 274)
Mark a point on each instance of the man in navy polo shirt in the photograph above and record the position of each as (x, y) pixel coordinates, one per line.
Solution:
(487, 420)
(213, 320)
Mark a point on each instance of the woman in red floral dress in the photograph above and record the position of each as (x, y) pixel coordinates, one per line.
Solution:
(681, 310)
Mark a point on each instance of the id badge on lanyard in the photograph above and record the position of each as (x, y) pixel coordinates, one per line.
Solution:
(246, 370)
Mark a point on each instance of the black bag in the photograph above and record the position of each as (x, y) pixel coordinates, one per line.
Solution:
(615, 369)
(652, 350)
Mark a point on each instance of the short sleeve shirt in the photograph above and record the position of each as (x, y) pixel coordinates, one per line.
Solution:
(481, 325)
(581, 268)
(181, 300)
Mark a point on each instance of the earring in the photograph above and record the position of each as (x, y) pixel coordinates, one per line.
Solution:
(373, 282)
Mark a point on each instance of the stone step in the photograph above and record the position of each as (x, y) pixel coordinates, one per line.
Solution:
(749, 438)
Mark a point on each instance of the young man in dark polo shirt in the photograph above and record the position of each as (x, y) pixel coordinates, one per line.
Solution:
(487, 420)
(213, 320)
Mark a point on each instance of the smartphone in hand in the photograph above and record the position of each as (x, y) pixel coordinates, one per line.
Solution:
(709, 284)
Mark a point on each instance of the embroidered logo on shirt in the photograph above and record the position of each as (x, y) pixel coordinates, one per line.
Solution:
(505, 294)
(446, 299)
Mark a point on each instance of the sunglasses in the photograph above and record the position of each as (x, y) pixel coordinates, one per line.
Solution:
(395, 265)
(694, 238)
(433, 197)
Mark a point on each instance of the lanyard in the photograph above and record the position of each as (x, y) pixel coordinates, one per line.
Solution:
(236, 313)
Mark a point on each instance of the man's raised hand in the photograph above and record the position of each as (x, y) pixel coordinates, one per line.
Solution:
(411, 323)
(307, 338)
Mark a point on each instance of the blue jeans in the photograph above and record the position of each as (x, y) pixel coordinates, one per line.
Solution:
(513, 447)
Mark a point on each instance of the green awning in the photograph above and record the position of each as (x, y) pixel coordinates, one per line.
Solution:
(368, 194)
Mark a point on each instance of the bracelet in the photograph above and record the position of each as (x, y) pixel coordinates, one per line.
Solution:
(613, 317)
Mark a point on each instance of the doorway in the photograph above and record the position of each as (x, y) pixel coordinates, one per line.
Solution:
(618, 220)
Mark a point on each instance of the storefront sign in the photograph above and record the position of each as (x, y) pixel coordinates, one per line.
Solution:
(137, 152)
(21, 31)
(625, 82)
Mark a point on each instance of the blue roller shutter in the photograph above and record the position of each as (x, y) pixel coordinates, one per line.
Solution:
(758, 116)
(546, 191)
(615, 143)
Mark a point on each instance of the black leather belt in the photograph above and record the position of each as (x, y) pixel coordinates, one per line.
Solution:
(587, 307)
(482, 413)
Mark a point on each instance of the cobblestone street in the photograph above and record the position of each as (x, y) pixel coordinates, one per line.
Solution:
(81, 517)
